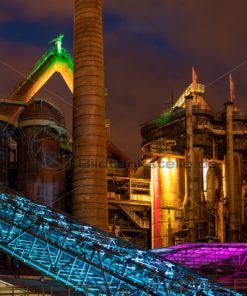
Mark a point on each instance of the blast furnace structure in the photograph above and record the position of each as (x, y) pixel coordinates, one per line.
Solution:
(197, 159)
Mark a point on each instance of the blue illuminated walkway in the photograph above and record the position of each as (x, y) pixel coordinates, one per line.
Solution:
(87, 259)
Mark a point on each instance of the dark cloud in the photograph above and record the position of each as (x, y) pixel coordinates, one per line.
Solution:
(201, 29)
(211, 35)
(150, 47)
(36, 10)
(16, 59)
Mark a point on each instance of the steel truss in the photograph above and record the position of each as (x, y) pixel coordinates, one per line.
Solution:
(226, 261)
(87, 259)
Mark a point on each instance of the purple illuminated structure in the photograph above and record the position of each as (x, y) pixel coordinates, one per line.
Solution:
(224, 263)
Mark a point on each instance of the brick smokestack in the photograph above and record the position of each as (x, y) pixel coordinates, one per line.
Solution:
(89, 131)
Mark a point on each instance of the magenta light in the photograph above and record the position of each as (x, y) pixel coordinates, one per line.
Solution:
(200, 254)
(225, 263)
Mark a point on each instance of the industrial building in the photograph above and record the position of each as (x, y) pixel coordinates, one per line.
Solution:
(36, 154)
(149, 204)
(191, 155)
(197, 158)
(70, 203)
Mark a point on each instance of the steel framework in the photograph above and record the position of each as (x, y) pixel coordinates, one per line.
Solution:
(197, 255)
(87, 259)
(228, 261)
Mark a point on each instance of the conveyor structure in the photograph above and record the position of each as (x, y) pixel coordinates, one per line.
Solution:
(87, 259)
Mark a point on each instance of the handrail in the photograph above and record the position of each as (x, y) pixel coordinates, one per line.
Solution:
(135, 218)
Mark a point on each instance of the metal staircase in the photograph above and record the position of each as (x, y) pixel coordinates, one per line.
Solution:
(144, 224)
(89, 260)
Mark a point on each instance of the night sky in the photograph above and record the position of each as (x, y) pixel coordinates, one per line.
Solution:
(150, 47)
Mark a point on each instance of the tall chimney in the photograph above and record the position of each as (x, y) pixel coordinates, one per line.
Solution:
(89, 132)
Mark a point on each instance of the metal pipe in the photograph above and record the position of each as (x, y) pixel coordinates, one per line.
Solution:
(197, 187)
(189, 160)
(89, 132)
(230, 184)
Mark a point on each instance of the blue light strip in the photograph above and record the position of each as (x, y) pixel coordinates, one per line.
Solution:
(88, 259)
